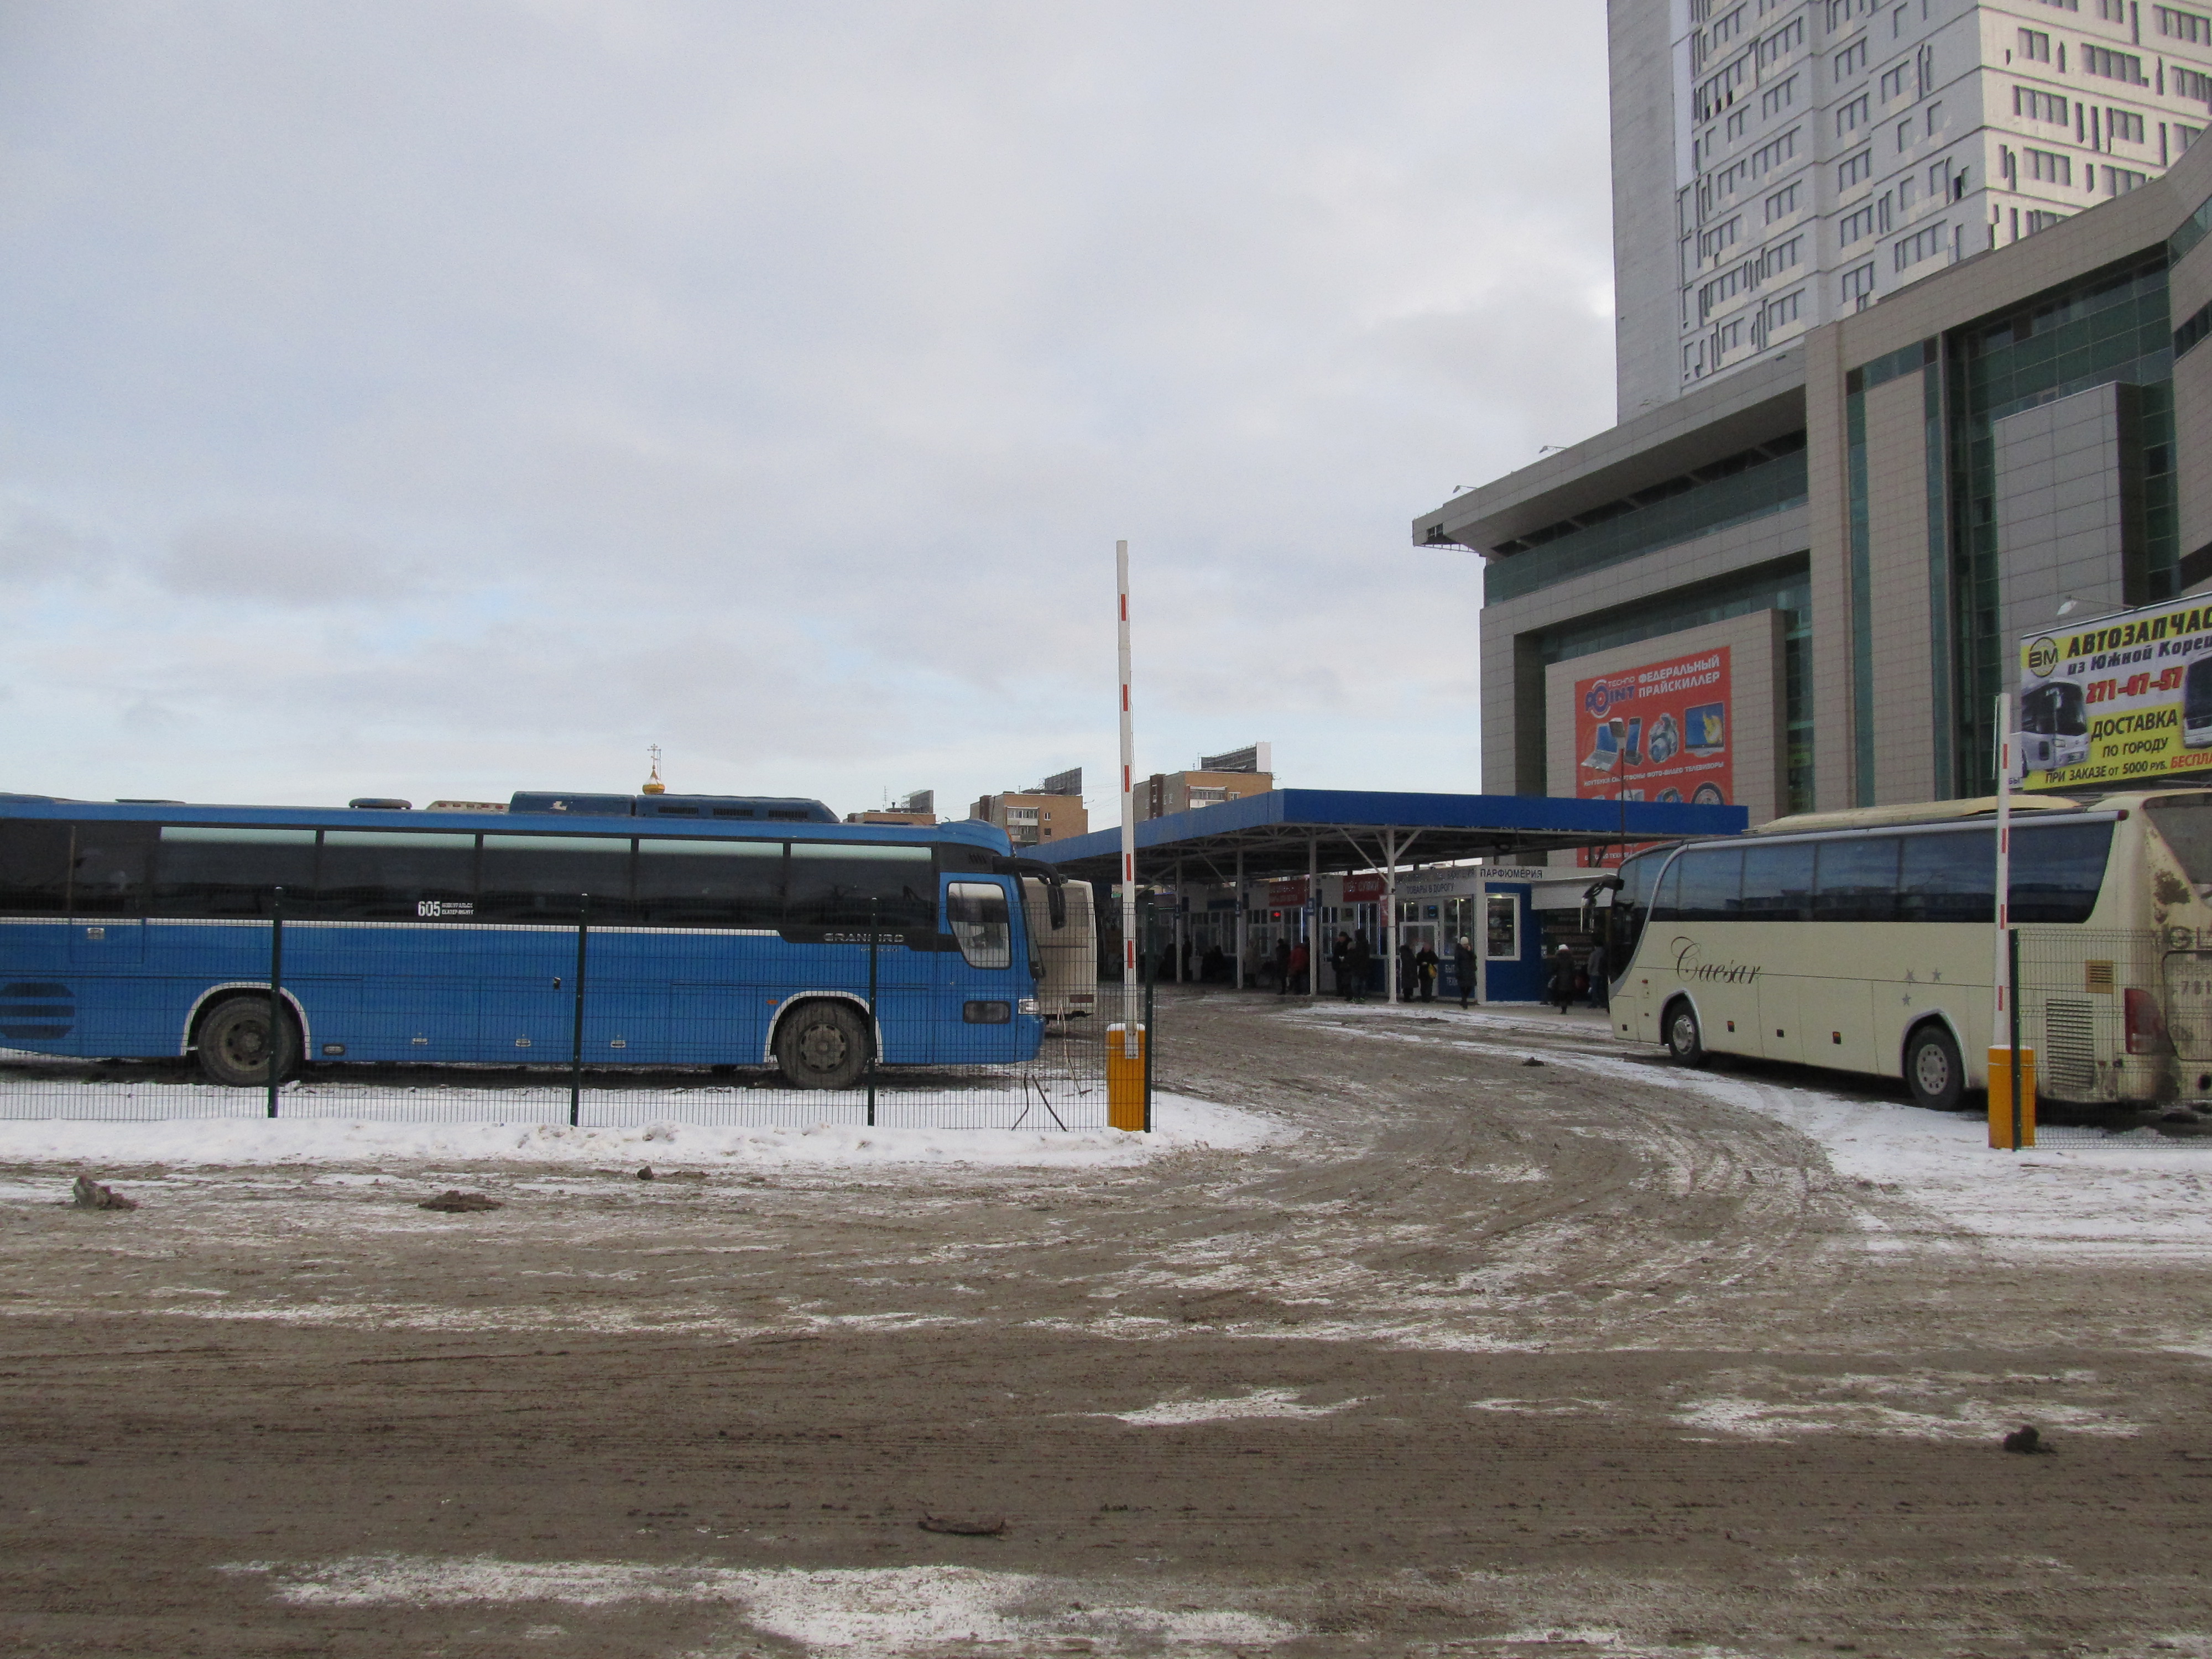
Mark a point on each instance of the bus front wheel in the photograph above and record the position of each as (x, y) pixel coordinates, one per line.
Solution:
(1684, 1040)
(1933, 1071)
(823, 1045)
(234, 1048)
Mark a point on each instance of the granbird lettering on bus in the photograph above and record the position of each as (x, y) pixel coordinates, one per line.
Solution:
(1691, 965)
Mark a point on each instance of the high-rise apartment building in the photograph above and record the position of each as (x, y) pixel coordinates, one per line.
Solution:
(1778, 164)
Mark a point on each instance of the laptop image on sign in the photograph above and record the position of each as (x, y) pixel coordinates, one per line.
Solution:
(1704, 728)
(1604, 753)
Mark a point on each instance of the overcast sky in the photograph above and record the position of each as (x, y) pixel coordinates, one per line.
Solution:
(442, 399)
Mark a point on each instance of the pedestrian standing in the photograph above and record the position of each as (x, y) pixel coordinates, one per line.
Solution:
(1340, 963)
(1600, 991)
(1359, 962)
(1463, 968)
(1425, 963)
(1301, 965)
(1282, 965)
(1563, 979)
(1405, 974)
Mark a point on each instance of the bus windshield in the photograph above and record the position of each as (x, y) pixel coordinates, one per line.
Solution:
(1631, 904)
(2057, 710)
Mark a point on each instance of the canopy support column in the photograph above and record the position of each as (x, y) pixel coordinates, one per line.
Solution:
(1238, 936)
(1390, 915)
(1313, 916)
(1181, 920)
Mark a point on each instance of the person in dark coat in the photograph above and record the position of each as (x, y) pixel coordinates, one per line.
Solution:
(1601, 990)
(1425, 963)
(1463, 968)
(1359, 962)
(1405, 975)
(1301, 965)
(1340, 963)
(1563, 979)
(1282, 964)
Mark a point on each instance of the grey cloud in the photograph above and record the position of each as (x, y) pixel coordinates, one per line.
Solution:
(229, 560)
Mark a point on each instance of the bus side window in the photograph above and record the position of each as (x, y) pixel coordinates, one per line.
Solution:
(34, 861)
(1777, 883)
(108, 876)
(1666, 903)
(976, 912)
(2057, 869)
(710, 883)
(540, 877)
(1712, 884)
(1856, 880)
(231, 871)
(1950, 878)
(838, 885)
(397, 875)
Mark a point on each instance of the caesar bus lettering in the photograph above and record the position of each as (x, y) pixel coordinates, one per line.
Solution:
(1690, 964)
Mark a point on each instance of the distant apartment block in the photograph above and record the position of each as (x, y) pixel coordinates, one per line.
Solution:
(920, 807)
(1052, 810)
(1216, 778)
(1778, 164)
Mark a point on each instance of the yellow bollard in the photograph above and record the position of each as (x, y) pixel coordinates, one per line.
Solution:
(1125, 1076)
(2001, 1099)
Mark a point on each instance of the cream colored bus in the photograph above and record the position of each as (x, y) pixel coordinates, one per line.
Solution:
(1865, 941)
(1066, 949)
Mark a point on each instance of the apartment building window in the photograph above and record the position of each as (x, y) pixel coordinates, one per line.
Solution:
(2188, 84)
(2038, 220)
(2112, 11)
(1731, 179)
(2119, 181)
(2064, 5)
(1736, 122)
(2047, 166)
(1727, 28)
(2112, 65)
(1780, 313)
(1782, 204)
(1850, 117)
(2124, 126)
(2186, 136)
(1852, 60)
(1854, 227)
(1910, 250)
(1904, 134)
(2035, 45)
(1777, 97)
(1776, 153)
(2031, 105)
(1841, 12)
(1729, 336)
(1855, 169)
(1780, 44)
(1893, 81)
(1782, 256)
(1857, 284)
(1720, 238)
(2186, 26)
(1717, 92)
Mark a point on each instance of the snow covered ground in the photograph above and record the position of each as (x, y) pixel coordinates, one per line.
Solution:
(2138, 1194)
(1179, 1125)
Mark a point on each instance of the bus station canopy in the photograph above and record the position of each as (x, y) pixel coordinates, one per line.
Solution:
(1286, 832)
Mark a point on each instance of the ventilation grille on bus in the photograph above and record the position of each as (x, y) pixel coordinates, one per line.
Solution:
(32, 1010)
(2069, 1047)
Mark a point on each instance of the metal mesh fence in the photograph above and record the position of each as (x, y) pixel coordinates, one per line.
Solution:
(607, 1027)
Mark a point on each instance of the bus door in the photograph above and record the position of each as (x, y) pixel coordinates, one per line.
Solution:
(986, 976)
(110, 875)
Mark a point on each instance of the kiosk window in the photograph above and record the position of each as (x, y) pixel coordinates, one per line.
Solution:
(1503, 931)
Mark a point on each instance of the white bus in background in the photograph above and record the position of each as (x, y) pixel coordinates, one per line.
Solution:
(1066, 948)
(1865, 941)
(2054, 726)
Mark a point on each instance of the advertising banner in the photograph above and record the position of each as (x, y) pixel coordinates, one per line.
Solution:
(2125, 699)
(1656, 732)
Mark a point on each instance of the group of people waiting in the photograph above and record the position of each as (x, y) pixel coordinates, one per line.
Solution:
(1351, 960)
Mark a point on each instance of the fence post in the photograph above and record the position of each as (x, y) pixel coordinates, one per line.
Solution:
(1151, 1034)
(875, 1023)
(576, 1039)
(276, 995)
(2012, 995)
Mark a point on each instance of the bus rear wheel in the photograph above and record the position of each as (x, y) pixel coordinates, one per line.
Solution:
(1684, 1040)
(1932, 1070)
(233, 1050)
(823, 1045)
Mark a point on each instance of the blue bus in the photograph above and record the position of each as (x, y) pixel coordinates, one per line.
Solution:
(722, 931)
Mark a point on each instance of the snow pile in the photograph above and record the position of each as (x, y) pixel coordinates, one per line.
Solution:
(1180, 1125)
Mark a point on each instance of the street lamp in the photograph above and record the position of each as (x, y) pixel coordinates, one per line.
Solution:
(1618, 727)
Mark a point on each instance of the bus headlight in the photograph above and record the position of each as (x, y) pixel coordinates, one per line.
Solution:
(1028, 1006)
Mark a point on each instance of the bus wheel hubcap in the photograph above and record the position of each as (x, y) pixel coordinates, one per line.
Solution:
(822, 1048)
(1682, 1037)
(1935, 1075)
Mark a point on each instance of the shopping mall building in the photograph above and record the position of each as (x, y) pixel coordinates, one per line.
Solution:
(1910, 348)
